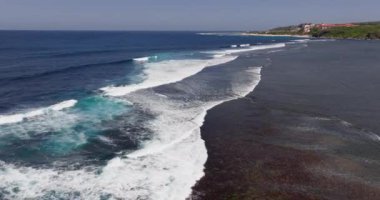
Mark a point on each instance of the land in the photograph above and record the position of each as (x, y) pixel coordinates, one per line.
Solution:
(362, 31)
(276, 35)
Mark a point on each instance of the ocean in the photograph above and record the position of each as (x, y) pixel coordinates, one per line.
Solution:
(114, 115)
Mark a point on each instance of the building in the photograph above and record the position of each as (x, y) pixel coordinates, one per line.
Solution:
(327, 26)
(307, 27)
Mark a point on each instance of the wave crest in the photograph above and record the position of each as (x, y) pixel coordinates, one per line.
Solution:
(9, 119)
(166, 72)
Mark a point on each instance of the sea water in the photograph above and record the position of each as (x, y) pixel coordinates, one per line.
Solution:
(112, 115)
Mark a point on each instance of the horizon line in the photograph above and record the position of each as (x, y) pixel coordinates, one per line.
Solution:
(121, 30)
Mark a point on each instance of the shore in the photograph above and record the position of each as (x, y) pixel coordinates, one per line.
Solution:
(308, 131)
(301, 36)
(273, 35)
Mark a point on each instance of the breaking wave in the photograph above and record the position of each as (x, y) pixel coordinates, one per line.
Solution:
(170, 71)
(14, 118)
(166, 167)
(246, 48)
(145, 59)
(165, 72)
(177, 95)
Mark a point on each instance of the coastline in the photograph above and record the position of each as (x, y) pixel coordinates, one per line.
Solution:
(284, 141)
(304, 36)
(125, 132)
(274, 35)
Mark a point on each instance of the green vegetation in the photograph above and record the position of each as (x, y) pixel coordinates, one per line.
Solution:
(361, 31)
(287, 30)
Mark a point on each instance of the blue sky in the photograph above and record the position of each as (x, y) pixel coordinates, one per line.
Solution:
(179, 14)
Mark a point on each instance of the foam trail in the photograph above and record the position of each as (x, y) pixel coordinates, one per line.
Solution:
(252, 48)
(9, 119)
(165, 72)
(219, 34)
(376, 137)
(171, 71)
(178, 126)
(299, 41)
(166, 166)
(144, 59)
(302, 40)
(166, 173)
(245, 45)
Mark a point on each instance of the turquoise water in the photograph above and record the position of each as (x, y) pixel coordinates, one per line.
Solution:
(62, 137)
(59, 134)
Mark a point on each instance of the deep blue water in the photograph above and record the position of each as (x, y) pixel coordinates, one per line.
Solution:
(43, 67)
(58, 125)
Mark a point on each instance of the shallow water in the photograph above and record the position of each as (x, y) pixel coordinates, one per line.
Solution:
(309, 130)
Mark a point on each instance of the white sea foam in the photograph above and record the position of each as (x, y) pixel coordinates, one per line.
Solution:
(251, 48)
(309, 40)
(190, 118)
(164, 72)
(164, 169)
(221, 34)
(275, 51)
(302, 40)
(376, 137)
(144, 59)
(323, 40)
(299, 41)
(218, 55)
(14, 118)
(170, 71)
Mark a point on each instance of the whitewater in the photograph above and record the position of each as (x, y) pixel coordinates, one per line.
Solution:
(14, 118)
(164, 167)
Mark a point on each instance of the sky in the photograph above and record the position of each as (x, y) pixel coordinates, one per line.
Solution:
(207, 15)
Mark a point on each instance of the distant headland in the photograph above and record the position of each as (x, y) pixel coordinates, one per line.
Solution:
(363, 30)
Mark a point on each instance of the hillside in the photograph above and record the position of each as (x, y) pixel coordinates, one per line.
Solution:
(360, 31)
(364, 30)
(295, 29)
